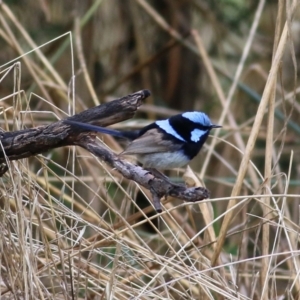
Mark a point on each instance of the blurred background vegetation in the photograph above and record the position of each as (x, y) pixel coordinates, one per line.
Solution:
(118, 47)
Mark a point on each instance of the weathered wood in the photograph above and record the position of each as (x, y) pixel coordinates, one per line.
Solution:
(157, 186)
(29, 142)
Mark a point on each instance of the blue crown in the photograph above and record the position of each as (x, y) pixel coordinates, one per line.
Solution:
(198, 117)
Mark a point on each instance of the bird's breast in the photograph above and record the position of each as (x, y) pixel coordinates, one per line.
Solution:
(163, 161)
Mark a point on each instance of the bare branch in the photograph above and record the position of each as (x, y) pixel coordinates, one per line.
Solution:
(29, 142)
(157, 186)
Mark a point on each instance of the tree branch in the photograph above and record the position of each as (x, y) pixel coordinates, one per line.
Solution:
(157, 186)
(29, 142)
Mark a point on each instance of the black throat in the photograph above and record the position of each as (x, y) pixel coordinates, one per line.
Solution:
(191, 149)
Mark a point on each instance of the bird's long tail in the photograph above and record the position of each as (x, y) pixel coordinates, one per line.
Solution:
(86, 126)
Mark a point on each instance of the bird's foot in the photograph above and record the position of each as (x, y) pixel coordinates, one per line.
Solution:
(160, 175)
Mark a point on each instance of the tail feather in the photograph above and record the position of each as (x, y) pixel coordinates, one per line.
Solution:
(122, 134)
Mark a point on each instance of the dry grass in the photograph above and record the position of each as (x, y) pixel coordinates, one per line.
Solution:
(72, 228)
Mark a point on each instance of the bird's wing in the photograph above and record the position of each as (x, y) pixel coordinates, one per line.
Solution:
(151, 142)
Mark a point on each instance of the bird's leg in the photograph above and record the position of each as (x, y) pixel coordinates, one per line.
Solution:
(158, 174)
(162, 176)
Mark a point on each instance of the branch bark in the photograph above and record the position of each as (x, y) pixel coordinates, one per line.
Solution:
(29, 142)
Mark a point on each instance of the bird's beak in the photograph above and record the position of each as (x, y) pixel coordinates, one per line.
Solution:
(216, 126)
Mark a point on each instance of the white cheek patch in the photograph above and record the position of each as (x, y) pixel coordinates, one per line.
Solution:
(196, 135)
(165, 125)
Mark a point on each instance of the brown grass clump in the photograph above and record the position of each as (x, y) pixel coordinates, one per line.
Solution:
(72, 228)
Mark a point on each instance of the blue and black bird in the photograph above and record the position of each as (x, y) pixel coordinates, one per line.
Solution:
(164, 144)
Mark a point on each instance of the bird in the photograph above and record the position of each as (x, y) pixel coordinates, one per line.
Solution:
(163, 144)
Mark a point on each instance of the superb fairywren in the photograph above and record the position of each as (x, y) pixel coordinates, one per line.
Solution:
(164, 144)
